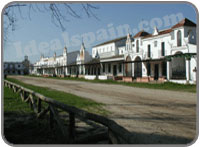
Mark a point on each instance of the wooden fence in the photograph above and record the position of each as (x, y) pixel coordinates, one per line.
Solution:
(115, 133)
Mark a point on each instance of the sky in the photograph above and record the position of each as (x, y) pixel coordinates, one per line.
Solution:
(39, 35)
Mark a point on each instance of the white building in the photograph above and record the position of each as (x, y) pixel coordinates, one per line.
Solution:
(164, 55)
(63, 65)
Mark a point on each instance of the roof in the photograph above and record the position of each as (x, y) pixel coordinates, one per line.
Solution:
(12, 62)
(159, 33)
(93, 61)
(184, 22)
(71, 57)
(110, 41)
(141, 34)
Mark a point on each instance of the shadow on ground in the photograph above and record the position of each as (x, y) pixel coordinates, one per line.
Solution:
(24, 128)
(141, 138)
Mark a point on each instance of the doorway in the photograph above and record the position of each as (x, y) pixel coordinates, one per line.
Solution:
(156, 72)
(114, 70)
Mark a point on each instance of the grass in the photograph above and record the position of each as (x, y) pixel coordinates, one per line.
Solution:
(13, 103)
(164, 86)
(66, 98)
(21, 125)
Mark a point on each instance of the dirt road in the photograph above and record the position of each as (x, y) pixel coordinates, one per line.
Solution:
(168, 116)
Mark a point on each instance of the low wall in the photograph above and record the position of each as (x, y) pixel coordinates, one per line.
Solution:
(127, 79)
(182, 82)
(81, 76)
(102, 77)
(90, 77)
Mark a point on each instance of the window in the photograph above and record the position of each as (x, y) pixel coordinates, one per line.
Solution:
(137, 46)
(109, 68)
(155, 43)
(190, 36)
(19, 65)
(162, 49)
(149, 50)
(179, 38)
(104, 68)
(120, 67)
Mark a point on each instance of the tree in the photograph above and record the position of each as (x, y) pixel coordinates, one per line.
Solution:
(59, 13)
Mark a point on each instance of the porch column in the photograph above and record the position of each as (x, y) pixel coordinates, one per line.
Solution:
(188, 69)
(123, 69)
(144, 70)
(132, 69)
(55, 71)
(169, 70)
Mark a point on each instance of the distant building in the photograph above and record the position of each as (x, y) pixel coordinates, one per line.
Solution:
(17, 68)
(62, 65)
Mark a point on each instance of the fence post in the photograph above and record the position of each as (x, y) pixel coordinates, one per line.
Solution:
(22, 95)
(39, 105)
(112, 138)
(51, 121)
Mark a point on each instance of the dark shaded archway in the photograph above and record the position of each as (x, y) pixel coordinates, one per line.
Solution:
(178, 67)
(128, 67)
(138, 67)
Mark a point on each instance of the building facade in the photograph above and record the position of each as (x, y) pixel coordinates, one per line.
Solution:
(62, 65)
(164, 55)
(17, 68)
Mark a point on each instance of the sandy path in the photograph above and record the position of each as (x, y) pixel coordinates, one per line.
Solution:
(160, 112)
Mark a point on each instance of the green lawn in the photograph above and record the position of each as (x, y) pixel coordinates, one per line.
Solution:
(163, 86)
(69, 99)
(21, 125)
(13, 103)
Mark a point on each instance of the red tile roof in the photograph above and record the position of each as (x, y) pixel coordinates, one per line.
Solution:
(184, 22)
(159, 33)
(141, 34)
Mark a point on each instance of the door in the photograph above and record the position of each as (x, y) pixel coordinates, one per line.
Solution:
(156, 72)
(114, 70)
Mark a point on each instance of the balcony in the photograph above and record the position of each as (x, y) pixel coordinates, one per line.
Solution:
(182, 48)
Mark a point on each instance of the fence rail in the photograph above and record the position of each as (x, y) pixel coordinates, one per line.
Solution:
(115, 133)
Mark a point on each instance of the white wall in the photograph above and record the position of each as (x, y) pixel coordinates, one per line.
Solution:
(106, 50)
(156, 50)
